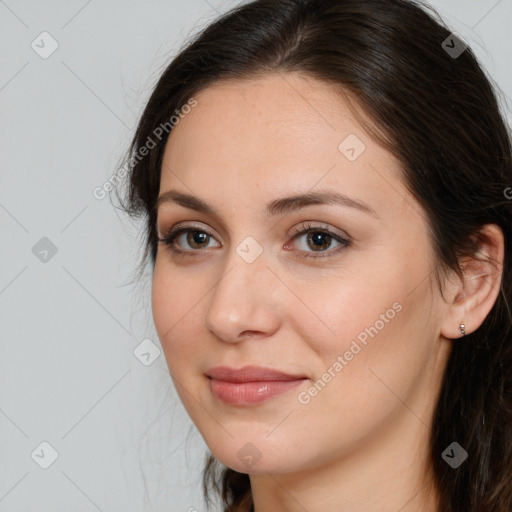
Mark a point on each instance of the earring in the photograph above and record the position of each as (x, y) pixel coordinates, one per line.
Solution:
(462, 329)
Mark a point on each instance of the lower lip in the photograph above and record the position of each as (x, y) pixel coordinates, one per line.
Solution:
(246, 393)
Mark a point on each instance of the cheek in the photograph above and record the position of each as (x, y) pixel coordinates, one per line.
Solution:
(163, 301)
(376, 354)
(175, 314)
(341, 310)
(359, 326)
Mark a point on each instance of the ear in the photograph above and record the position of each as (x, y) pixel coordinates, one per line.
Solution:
(471, 299)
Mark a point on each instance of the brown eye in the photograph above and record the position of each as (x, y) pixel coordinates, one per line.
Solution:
(319, 239)
(196, 238)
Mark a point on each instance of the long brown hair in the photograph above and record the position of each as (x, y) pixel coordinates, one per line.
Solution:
(436, 111)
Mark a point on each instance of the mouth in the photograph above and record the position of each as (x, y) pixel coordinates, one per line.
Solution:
(250, 374)
(250, 384)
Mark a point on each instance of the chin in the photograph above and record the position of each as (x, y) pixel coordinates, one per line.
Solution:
(254, 457)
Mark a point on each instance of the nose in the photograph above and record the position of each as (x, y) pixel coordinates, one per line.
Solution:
(245, 301)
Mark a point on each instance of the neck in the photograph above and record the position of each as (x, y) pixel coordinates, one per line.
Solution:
(389, 472)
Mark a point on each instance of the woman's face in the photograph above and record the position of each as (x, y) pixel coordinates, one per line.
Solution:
(359, 330)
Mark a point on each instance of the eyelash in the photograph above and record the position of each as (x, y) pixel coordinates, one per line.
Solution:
(302, 230)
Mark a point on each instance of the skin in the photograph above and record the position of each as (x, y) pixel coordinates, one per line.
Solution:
(361, 443)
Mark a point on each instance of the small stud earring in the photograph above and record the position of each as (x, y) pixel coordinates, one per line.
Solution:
(463, 329)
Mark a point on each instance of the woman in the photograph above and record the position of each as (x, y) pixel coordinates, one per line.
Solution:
(325, 185)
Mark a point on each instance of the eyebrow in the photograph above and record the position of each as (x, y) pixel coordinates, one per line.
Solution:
(275, 207)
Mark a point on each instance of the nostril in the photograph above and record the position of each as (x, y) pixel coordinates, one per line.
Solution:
(251, 334)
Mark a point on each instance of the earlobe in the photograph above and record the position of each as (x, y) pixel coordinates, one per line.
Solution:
(474, 296)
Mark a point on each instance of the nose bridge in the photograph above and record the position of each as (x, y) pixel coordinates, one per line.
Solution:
(241, 299)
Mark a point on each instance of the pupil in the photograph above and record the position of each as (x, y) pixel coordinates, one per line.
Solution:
(319, 237)
(198, 237)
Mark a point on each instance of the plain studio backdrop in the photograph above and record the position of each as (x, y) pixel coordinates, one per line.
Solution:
(89, 418)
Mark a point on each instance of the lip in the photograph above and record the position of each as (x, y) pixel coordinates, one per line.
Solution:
(250, 374)
(250, 385)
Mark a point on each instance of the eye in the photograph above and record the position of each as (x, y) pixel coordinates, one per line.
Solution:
(319, 238)
(196, 236)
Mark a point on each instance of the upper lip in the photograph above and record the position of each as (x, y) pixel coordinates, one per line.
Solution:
(249, 374)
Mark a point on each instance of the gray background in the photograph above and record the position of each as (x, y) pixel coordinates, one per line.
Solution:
(69, 324)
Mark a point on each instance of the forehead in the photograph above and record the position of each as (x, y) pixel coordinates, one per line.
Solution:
(280, 114)
(278, 133)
